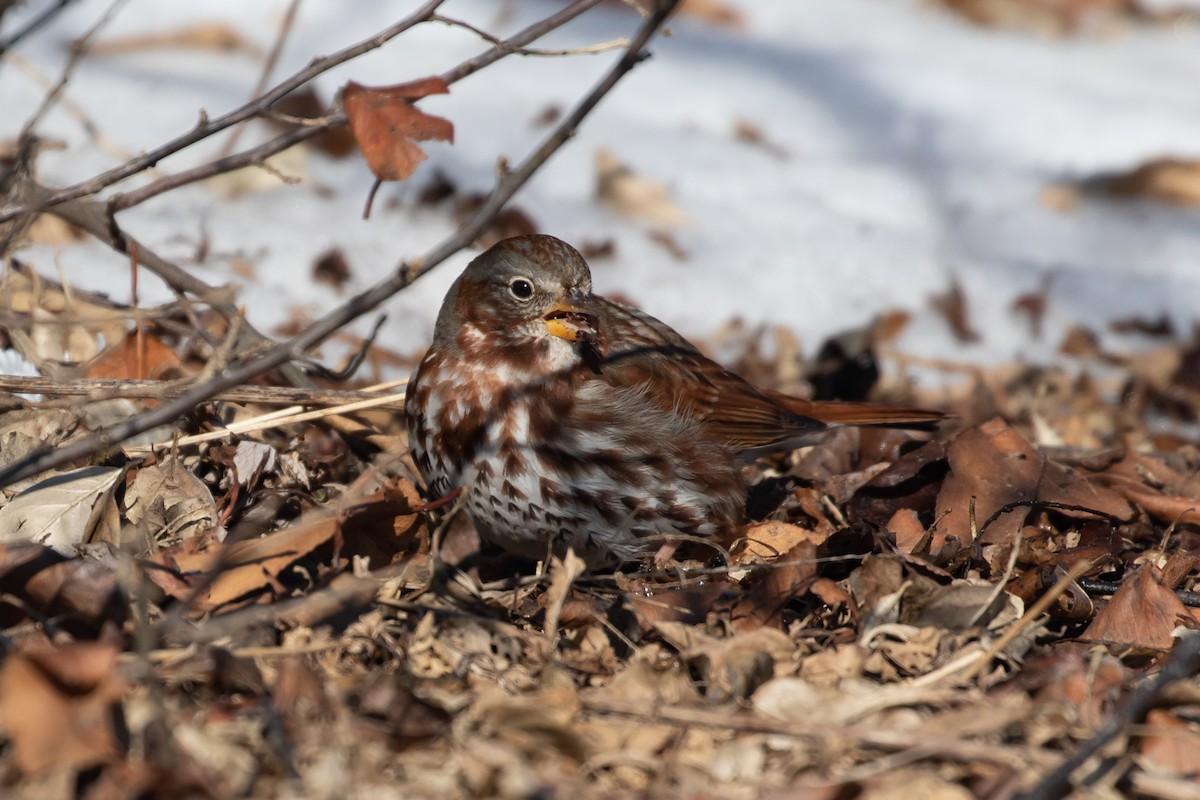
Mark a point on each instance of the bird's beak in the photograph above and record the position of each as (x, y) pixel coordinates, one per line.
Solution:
(570, 322)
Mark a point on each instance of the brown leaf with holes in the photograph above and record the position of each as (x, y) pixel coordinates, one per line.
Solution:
(59, 705)
(386, 124)
(1141, 614)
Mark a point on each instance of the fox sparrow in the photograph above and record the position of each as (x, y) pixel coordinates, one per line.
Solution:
(573, 420)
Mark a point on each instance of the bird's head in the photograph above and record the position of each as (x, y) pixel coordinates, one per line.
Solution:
(532, 292)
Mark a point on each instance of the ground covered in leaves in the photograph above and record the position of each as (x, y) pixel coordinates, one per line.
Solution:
(253, 606)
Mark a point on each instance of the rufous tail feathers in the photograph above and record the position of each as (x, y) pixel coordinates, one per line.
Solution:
(861, 414)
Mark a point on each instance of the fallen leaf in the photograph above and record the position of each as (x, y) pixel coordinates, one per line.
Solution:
(56, 585)
(251, 459)
(186, 504)
(134, 357)
(216, 36)
(908, 530)
(1169, 180)
(992, 466)
(770, 540)
(784, 579)
(730, 669)
(1142, 613)
(59, 705)
(63, 511)
(1160, 491)
(634, 196)
(376, 526)
(952, 305)
(332, 269)
(385, 124)
(1169, 744)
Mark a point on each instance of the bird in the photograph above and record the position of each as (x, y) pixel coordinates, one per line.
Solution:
(570, 420)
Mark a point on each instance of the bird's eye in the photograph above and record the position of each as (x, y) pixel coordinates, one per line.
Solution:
(521, 288)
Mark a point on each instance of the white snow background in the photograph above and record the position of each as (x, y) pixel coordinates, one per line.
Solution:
(916, 148)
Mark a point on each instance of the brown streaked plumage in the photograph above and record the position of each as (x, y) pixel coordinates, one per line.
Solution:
(573, 420)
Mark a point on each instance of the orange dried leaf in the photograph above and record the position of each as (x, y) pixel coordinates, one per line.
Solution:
(385, 124)
(1170, 744)
(148, 358)
(58, 705)
(768, 541)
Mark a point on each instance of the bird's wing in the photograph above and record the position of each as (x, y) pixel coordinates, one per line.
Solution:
(836, 412)
(641, 351)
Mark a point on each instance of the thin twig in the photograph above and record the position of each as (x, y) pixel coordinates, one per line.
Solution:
(533, 32)
(47, 458)
(285, 28)
(591, 49)
(78, 52)
(33, 25)
(277, 419)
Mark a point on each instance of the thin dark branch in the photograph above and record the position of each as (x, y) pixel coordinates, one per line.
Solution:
(48, 458)
(33, 25)
(1183, 663)
(272, 60)
(256, 155)
(78, 53)
(514, 43)
(247, 158)
(27, 142)
(207, 127)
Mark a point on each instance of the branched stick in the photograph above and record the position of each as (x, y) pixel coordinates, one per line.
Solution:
(358, 305)
(207, 127)
(256, 155)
